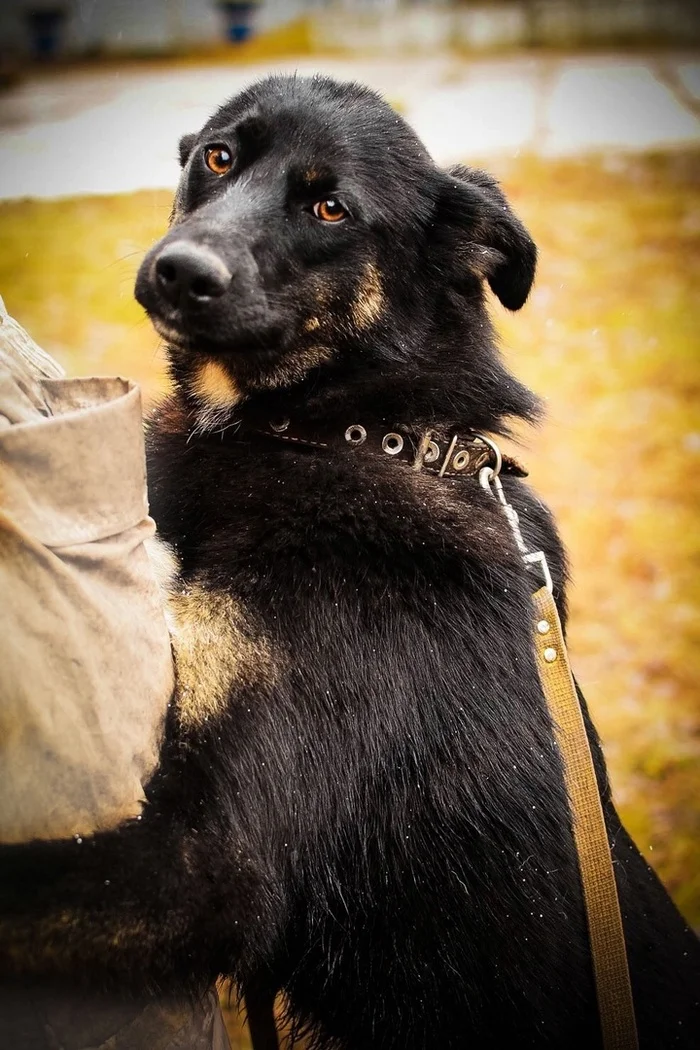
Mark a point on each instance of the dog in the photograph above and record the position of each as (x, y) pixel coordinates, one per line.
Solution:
(360, 801)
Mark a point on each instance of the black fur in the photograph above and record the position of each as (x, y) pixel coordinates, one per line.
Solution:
(376, 823)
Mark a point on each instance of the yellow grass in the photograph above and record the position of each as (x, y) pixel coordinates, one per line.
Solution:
(610, 338)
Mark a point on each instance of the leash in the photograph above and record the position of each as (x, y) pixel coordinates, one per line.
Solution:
(479, 456)
(607, 939)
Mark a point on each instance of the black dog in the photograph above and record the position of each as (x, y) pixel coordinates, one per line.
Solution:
(360, 799)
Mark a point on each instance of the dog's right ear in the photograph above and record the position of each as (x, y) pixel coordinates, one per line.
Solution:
(185, 148)
(486, 237)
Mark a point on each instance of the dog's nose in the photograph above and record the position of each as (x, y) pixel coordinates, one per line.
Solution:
(189, 273)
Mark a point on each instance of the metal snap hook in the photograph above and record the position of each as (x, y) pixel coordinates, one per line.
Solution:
(486, 476)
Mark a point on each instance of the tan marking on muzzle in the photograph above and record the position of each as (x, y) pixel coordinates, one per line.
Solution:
(369, 299)
(213, 387)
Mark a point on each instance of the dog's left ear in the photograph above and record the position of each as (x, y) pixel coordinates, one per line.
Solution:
(497, 244)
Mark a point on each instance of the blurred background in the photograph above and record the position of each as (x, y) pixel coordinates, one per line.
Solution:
(589, 113)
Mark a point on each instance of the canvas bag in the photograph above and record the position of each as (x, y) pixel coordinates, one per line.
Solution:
(86, 669)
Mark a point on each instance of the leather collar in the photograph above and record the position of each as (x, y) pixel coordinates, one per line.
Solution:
(449, 456)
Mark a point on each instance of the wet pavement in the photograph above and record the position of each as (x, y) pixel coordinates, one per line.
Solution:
(116, 130)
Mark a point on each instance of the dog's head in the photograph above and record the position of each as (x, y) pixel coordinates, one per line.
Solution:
(312, 235)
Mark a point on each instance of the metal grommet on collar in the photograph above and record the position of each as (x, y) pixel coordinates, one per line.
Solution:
(432, 452)
(279, 425)
(355, 434)
(392, 444)
(461, 460)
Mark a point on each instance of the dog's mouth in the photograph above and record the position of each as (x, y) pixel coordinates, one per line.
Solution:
(183, 337)
(172, 334)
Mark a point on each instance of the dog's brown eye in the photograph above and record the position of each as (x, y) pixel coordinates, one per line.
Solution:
(329, 210)
(218, 159)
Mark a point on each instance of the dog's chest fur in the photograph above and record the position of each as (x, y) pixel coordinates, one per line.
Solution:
(384, 687)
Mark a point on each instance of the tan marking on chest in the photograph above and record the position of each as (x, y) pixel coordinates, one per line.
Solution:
(164, 562)
(166, 570)
(218, 650)
(369, 300)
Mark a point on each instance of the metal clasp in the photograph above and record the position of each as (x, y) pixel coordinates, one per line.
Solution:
(491, 483)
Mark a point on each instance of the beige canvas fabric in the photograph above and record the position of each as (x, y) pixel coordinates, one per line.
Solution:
(85, 664)
(85, 661)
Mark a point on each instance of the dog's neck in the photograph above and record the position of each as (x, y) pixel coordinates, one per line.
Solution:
(446, 387)
(485, 402)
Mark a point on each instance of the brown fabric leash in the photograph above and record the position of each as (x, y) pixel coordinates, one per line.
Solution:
(606, 934)
(612, 980)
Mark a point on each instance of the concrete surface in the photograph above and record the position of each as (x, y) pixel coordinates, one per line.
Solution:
(117, 131)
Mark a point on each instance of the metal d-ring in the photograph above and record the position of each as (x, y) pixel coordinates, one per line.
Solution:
(279, 425)
(496, 467)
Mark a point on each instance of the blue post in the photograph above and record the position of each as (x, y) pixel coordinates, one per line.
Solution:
(239, 19)
(45, 26)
